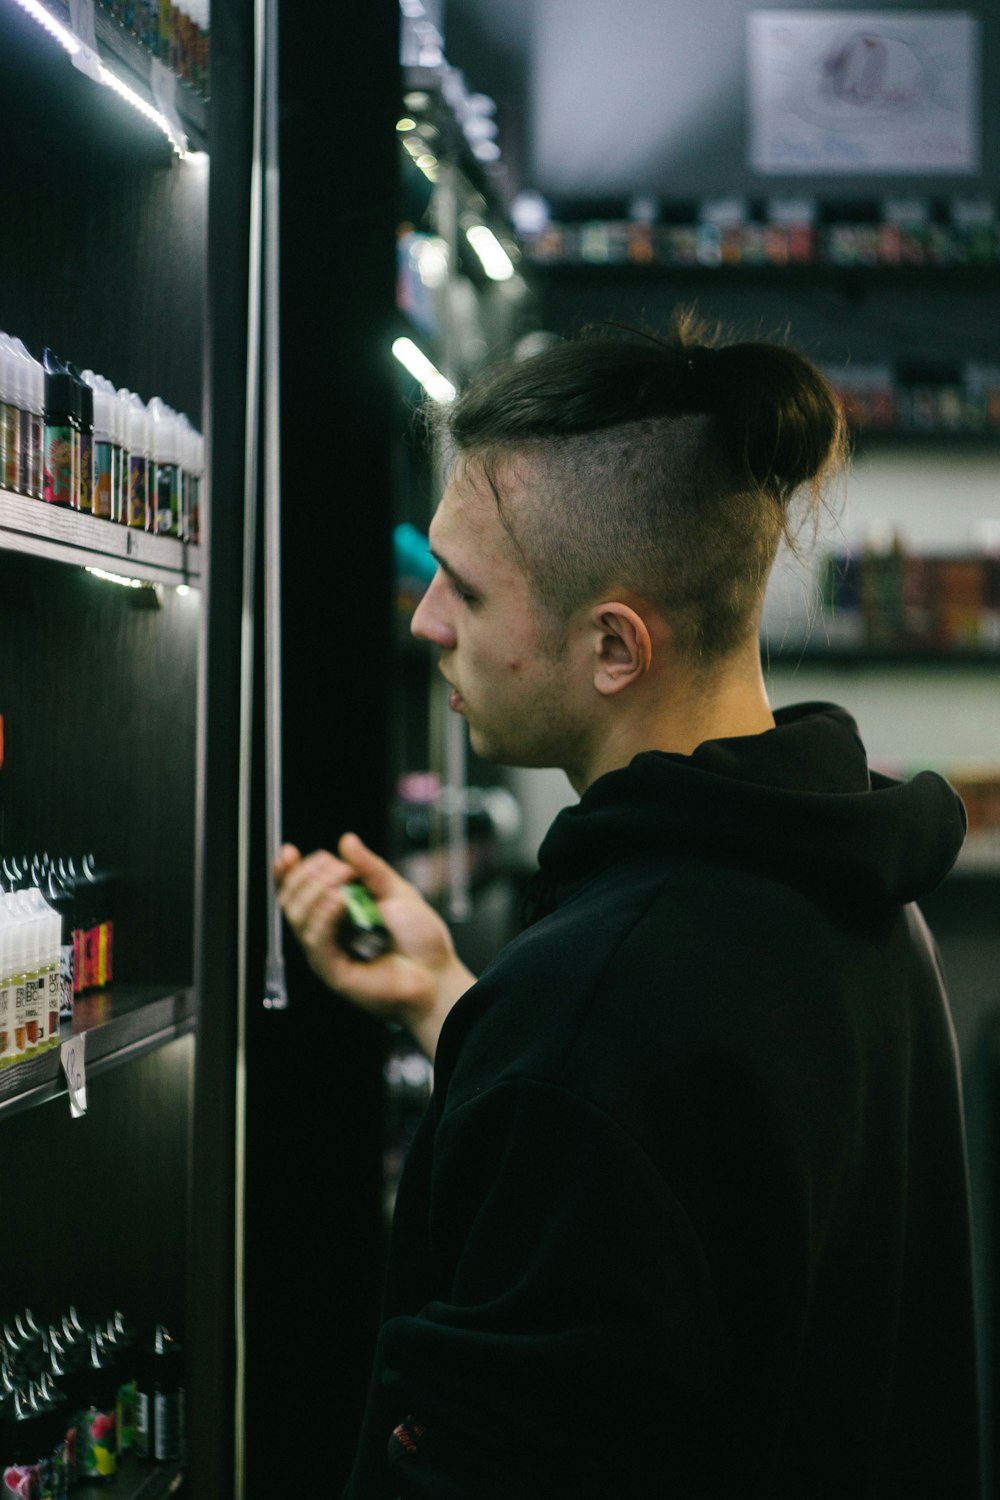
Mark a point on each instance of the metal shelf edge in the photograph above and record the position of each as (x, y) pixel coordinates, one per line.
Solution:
(31, 526)
(140, 1028)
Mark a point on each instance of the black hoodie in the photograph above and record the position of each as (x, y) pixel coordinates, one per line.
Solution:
(688, 1215)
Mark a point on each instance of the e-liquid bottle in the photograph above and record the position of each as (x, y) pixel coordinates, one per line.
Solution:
(137, 511)
(96, 1441)
(25, 1440)
(55, 1459)
(159, 1404)
(30, 388)
(122, 1338)
(362, 931)
(61, 442)
(85, 412)
(122, 429)
(106, 454)
(17, 960)
(32, 922)
(6, 990)
(165, 487)
(10, 417)
(60, 897)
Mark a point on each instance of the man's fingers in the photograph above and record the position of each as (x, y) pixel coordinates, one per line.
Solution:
(380, 878)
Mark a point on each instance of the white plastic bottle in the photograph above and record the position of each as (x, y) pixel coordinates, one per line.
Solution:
(32, 922)
(138, 464)
(10, 417)
(165, 481)
(6, 990)
(106, 455)
(17, 953)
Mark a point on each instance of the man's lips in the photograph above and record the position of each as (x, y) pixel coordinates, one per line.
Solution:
(454, 697)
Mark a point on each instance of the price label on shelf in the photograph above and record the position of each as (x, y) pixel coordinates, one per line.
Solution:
(72, 1055)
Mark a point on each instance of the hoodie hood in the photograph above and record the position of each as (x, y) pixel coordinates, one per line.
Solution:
(797, 802)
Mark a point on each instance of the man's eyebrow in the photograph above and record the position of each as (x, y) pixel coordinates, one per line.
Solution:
(452, 574)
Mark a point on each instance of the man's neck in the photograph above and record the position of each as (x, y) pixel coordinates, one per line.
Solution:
(735, 703)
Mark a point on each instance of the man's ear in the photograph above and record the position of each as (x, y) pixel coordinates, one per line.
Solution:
(623, 649)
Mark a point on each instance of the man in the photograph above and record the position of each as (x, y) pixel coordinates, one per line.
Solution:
(688, 1213)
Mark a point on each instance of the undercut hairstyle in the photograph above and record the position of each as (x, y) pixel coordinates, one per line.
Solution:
(663, 467)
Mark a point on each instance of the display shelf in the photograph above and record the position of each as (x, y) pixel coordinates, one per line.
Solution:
(965, 277)
(32, 526)
(863, 659)
(136, 1480)
(121, 1023)
(133, 64)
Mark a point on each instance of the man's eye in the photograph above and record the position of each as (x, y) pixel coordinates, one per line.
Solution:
(460, 593)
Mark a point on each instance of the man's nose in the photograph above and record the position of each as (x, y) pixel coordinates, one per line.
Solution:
(430, 620)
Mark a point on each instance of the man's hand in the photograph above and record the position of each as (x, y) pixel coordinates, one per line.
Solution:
(417, 982)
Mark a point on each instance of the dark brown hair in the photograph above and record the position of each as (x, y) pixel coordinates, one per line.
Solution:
(664, 466)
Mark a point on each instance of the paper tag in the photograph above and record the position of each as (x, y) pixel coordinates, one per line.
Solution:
(164, 86)
(81, 20)
(71, 1054)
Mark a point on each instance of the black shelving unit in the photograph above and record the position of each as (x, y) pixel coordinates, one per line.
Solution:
(117, 1025)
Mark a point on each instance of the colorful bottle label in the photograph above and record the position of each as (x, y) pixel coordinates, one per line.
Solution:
(20, 1015)
(66, 981)
(61, 451)
(137, 499)
(22, 1482)
(168, 500)
(95, 1445)
(86, 493)
(120, 503)
(6, 1023)
(126, 1416)
(36, 456)
(104, 480)
(10, 446)
(105, 937)
(79, 982)
(52, 1006)
(33, 1002)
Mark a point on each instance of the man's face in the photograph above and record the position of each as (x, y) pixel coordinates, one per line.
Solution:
(515, 681)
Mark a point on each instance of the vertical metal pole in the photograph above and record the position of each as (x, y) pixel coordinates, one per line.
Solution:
(275, 988)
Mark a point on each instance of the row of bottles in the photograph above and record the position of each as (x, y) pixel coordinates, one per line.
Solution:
(77, 1395)
(70, 438)
(176, 34)
(885, 594)
(56, 942)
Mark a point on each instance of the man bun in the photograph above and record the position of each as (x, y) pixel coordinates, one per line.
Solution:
(779, 418)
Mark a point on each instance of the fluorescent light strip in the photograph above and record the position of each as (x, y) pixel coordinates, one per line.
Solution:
(137, 102)
(129, 583)
(54, 28)
(420, 367)
(494, 259)
(72, 45)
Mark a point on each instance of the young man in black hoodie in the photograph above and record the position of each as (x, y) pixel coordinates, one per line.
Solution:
(688, 1212)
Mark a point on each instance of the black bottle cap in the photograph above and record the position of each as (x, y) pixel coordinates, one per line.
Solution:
(60, 396)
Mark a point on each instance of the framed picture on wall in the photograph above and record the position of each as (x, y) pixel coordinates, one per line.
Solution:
(853, 92)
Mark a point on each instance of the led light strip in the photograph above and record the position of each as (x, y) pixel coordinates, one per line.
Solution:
(72, 45)
(437, 386)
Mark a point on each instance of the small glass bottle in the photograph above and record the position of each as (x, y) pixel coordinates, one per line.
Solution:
(96, 1441)
(159, 1407)
(61, 441)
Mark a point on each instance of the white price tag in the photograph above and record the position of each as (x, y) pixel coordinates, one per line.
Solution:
(74, 1066)
(81, 20)
(164, 86)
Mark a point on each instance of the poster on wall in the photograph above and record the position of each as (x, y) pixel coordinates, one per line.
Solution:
(863, 92)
